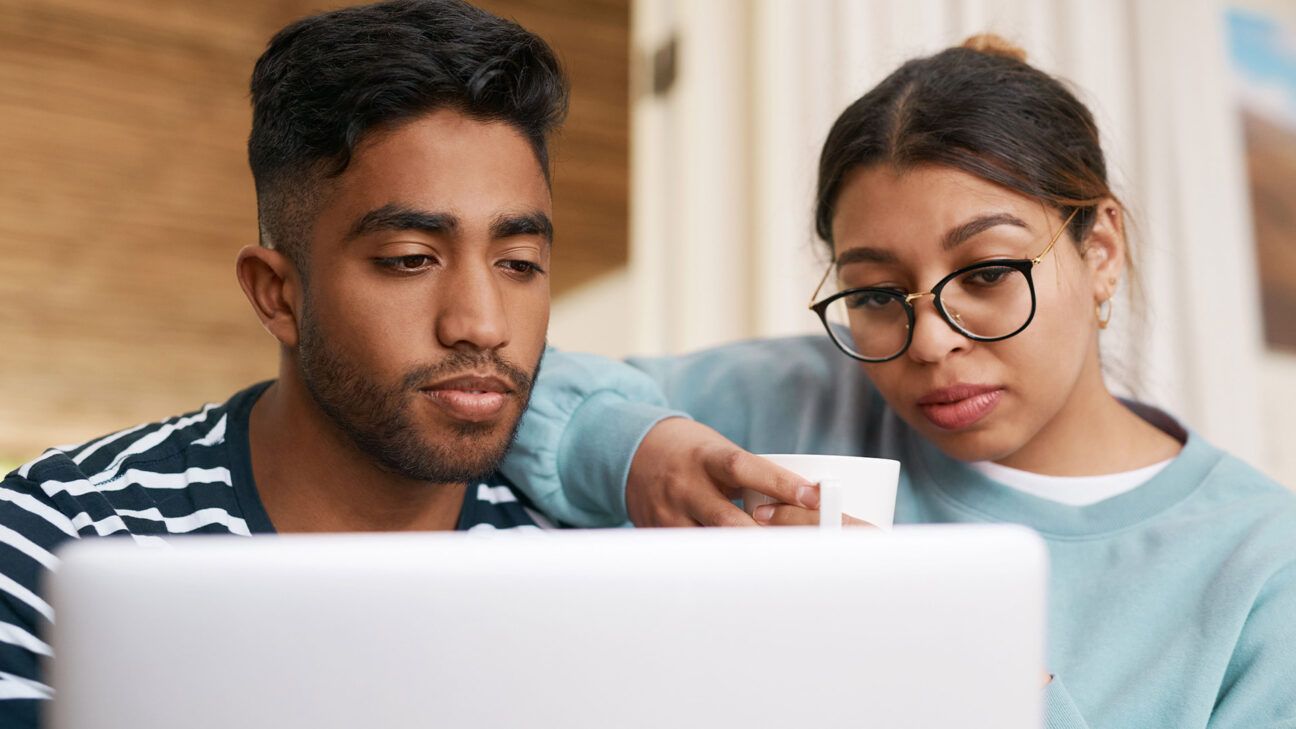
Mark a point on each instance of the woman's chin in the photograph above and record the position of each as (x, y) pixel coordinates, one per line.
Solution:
(979, 444)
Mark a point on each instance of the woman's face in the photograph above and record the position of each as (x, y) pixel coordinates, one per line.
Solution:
(975, 400)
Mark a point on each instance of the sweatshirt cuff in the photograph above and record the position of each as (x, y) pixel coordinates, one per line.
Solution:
(598, 446)
(1060, 710)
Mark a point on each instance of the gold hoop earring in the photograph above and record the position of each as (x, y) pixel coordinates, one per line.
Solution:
(1103, 316)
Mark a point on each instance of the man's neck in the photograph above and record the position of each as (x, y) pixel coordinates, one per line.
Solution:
(312, 478)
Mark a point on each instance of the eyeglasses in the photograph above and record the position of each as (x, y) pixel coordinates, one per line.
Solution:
(985, 302)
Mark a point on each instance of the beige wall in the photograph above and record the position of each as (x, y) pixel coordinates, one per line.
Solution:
(125, 195)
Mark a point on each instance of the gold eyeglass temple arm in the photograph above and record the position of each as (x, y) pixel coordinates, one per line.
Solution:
(822, 281)
(1035, 261)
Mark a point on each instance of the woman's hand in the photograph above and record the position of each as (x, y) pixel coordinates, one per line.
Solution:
(686, 474)
(787, 515)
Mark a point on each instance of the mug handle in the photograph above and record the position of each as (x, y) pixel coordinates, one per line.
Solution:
(830, 504)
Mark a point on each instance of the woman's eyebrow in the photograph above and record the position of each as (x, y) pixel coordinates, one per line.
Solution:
(960, 233)
(952, 239)
(864, 254)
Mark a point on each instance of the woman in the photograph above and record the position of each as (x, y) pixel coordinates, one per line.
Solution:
(976, 249)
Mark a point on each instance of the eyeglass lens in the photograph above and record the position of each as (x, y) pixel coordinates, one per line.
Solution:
(986, 302)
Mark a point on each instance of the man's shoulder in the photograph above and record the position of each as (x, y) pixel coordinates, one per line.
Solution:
(146, 454)
(126, 479)
(103, 458)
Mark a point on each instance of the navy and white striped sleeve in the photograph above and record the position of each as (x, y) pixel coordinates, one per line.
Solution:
(31, 528)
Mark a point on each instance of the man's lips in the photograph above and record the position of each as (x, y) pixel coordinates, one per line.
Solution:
(472, 398)
(953, 408)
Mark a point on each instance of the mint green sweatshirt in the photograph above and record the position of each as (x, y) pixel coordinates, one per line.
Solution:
(1172, 605)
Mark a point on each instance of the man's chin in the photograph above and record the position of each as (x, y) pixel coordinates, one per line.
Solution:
(442, 427)
(469, 450)
(447, 461)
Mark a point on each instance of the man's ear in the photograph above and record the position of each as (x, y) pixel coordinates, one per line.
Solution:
(273, 286)
(1104, 249)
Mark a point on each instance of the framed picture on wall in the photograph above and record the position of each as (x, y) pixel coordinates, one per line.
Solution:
(1262, 46)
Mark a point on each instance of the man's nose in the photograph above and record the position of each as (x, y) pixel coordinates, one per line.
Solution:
(471, 311)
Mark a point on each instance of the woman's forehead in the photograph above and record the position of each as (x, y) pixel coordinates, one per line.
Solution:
(932, 206)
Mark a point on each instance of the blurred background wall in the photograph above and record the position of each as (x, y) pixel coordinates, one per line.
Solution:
(125, 195)
(683, 188)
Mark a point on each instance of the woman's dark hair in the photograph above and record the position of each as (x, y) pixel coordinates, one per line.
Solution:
(981, 109)
(326, 81)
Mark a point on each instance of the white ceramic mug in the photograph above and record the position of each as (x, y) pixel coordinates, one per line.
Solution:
(863, 488)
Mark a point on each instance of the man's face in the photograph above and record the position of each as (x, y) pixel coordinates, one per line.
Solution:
(427, 298)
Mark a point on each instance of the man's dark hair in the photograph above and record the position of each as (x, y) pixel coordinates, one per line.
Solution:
(326, 81)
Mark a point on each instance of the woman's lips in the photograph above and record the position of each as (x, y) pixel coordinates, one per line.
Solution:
(960, 406)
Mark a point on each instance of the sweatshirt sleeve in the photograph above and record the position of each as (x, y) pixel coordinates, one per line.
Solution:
(1060, 710)
(595, 411)
(1259, 687)
(588, 414)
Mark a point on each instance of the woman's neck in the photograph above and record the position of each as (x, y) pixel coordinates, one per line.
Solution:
(1093, 434)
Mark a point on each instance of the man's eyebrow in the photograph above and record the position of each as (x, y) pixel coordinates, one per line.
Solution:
(960, 233)
(394, 216)
(863, 254)
(531, 223)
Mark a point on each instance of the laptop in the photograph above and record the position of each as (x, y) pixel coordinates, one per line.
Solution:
(759, 628)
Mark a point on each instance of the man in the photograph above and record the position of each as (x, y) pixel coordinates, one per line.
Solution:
(399, 154)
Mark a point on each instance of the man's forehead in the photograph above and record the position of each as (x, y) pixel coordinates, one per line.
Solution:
(444, 136)
(458, 170)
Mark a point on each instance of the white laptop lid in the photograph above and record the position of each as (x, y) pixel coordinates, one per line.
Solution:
(924, 627)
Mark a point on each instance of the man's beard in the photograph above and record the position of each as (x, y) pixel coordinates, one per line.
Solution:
(377, 419)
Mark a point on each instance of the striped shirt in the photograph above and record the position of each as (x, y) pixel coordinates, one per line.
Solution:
(191, 474)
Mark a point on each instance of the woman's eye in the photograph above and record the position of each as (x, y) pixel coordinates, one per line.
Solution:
(989, 276)
(870, 300)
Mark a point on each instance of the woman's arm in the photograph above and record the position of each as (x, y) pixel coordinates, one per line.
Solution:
(1060, 710)
(1259, 686)
(589, 416)
(595, 411)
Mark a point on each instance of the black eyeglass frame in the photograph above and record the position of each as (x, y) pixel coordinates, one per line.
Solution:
(1022, 265)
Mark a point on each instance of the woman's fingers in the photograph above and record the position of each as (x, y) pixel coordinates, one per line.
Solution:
(720, 512)
(670, 485)
(686, 474)
(785, 515)
(734, 469)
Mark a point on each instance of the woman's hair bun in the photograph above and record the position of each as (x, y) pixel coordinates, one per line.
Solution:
(995, 45)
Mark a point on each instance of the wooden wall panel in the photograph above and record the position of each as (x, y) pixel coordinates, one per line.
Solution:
(591, 154)
(125, 194)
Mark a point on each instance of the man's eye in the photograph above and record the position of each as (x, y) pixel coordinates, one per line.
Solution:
(406, 263)
(522, 268)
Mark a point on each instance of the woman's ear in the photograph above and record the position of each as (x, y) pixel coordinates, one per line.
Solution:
(1104, 249)
(273, 286)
